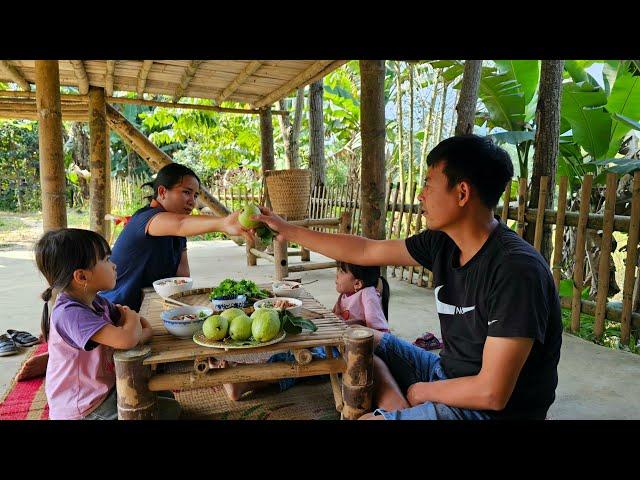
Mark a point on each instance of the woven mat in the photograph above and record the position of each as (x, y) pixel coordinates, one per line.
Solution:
(26, 400)
(309, 399)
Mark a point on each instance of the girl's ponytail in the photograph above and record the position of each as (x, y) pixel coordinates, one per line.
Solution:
(384, 296)
(44, 322)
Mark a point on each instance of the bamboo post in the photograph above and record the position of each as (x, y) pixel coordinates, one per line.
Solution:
(630, 264)
(415, 232)
(98, 161)
(605, 251)
(357, 380)
(372, 133)
(135, 400)
(281, 259)
(505, 205)
(252, 260)
(542, 201)
(578, 272)
(393, 212)
(232, 206)
(52, 171)
(522, 201)
(345, 222)
(358, 213)
(335, 383)
(400, 217)
(557, 248)
(412, 192)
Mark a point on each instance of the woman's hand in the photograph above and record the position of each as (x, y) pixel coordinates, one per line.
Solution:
(231, 226)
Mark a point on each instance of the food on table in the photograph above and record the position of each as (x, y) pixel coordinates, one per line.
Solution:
(230, 313)
(190, 316)
(240, 327)
(180, 281)
(249, 210)
(287, 286)
(279, 304)
(265, 325)
(229, 289)
(215, 327)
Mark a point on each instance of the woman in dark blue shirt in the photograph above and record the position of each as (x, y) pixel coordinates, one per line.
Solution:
(153, 245)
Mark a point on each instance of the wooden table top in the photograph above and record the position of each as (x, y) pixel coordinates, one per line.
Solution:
(166, 348)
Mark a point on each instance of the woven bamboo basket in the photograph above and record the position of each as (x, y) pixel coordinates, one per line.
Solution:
(289, 192)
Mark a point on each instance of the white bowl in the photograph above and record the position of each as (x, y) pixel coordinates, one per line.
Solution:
(184, 328)
(168, 286)
(295, 310)
(284, 289)
(238, 302)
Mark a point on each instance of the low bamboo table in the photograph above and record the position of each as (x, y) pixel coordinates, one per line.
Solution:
(138, 378)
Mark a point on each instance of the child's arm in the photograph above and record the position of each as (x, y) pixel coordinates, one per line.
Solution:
(123, 337)
(147, 331)
(373, 313)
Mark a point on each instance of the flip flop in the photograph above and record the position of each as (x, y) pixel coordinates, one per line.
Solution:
(7, 346)
(23, 339)
(428, 341)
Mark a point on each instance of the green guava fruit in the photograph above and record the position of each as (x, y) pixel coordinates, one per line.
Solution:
(265, 325)
(230, 313)
(215, 327)
(249, 210)
(240, 327)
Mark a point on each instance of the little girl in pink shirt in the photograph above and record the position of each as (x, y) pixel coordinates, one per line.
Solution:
(359, 301)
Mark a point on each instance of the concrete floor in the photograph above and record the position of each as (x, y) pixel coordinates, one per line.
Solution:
(594, 382)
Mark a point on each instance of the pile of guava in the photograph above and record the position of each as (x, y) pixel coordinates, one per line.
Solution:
(233, 324)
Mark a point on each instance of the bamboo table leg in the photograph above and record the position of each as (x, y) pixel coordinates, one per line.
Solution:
(357, 380)
(135, 400)
(335, 383)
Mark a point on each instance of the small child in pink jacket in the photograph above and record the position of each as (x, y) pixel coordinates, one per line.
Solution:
(359, 301)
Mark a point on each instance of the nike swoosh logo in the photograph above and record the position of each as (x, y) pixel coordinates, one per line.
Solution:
(492, 321)
(447, 309)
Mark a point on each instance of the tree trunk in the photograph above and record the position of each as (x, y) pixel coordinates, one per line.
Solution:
(266, 140)
(52, 173)
(427, 131)
(291, 132)
(80, 155)
(546, 144)
(98, 136)
(316, 134)
(372, 132)
(442, 109)
(400, 126)
(466, 107)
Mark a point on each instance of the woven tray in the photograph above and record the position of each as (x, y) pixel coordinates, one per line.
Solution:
(200, 339)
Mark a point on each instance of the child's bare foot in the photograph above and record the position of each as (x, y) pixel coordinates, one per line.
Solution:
(236, 390)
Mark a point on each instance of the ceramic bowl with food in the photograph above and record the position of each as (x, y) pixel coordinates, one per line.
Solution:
(287, 289)
(224, 303)
(170, 286)
(293, 305)
(183, 322)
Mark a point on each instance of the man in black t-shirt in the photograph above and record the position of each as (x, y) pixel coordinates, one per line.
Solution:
(498, 306)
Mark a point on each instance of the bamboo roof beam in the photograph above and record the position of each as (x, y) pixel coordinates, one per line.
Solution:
(142, 77)
(188, 74)
(14, 74)
(81, 76)
(242, 76)
(108, 80)
(312, 73)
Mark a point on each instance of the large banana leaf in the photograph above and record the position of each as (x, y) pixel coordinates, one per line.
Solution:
(632, 124)
(501, 94)
(526, 73)
(624, 100)
(514, 138)
(583, 107)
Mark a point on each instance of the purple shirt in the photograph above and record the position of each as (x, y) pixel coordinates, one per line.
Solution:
(80, 372)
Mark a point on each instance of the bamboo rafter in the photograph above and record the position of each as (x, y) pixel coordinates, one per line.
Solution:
(188, 74)
(108, 82)
(13, 73)
(242, 76)
(142, 77)
(81, 76)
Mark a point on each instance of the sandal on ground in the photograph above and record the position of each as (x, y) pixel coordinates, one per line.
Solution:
(7, 346)
(428, 341)
(23, 339)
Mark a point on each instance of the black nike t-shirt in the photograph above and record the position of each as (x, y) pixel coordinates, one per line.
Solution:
(505, 290)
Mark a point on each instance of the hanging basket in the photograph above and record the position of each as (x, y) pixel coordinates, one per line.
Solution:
(289, 192)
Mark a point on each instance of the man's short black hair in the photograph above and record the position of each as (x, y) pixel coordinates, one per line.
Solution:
(479, 161)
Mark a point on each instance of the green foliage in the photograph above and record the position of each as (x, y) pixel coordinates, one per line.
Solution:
(610, 337)
(231, 288)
